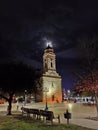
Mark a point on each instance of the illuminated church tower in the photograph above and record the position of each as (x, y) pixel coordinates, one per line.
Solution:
(51, 80)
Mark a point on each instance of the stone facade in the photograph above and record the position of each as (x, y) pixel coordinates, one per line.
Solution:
(51, 80)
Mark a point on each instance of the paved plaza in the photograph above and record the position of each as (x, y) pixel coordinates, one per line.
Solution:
(79, 112)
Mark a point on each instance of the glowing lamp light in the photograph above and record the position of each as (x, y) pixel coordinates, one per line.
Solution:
(68, 91)
(70, 105)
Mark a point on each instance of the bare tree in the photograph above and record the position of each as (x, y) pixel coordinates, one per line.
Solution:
(88, 52)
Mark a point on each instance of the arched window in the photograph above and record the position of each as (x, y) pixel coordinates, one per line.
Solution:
(46, 65)
(51, 64)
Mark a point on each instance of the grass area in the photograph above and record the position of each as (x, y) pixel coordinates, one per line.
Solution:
(17, 122)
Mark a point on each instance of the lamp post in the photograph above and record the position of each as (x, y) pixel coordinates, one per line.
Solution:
(25, 97)
(46, 89)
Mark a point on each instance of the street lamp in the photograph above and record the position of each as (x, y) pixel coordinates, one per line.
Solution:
(25, 97)
(46, 89)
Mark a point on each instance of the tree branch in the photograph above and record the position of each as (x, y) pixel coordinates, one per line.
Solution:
(4, 97)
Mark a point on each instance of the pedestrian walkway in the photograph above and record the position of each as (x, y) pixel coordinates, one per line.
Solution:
(78, 111)
(79, 114)
(84, 123)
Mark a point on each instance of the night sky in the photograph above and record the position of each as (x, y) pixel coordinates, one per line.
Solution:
(27, 25)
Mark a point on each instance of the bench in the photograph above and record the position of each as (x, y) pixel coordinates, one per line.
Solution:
(25, 111)
(29, 111)
(49, 116)
(35, 112)
(38, 114)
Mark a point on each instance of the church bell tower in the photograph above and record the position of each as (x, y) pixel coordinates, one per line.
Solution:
(51, 80)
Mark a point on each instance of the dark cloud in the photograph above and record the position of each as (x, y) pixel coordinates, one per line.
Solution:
(24, 26)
